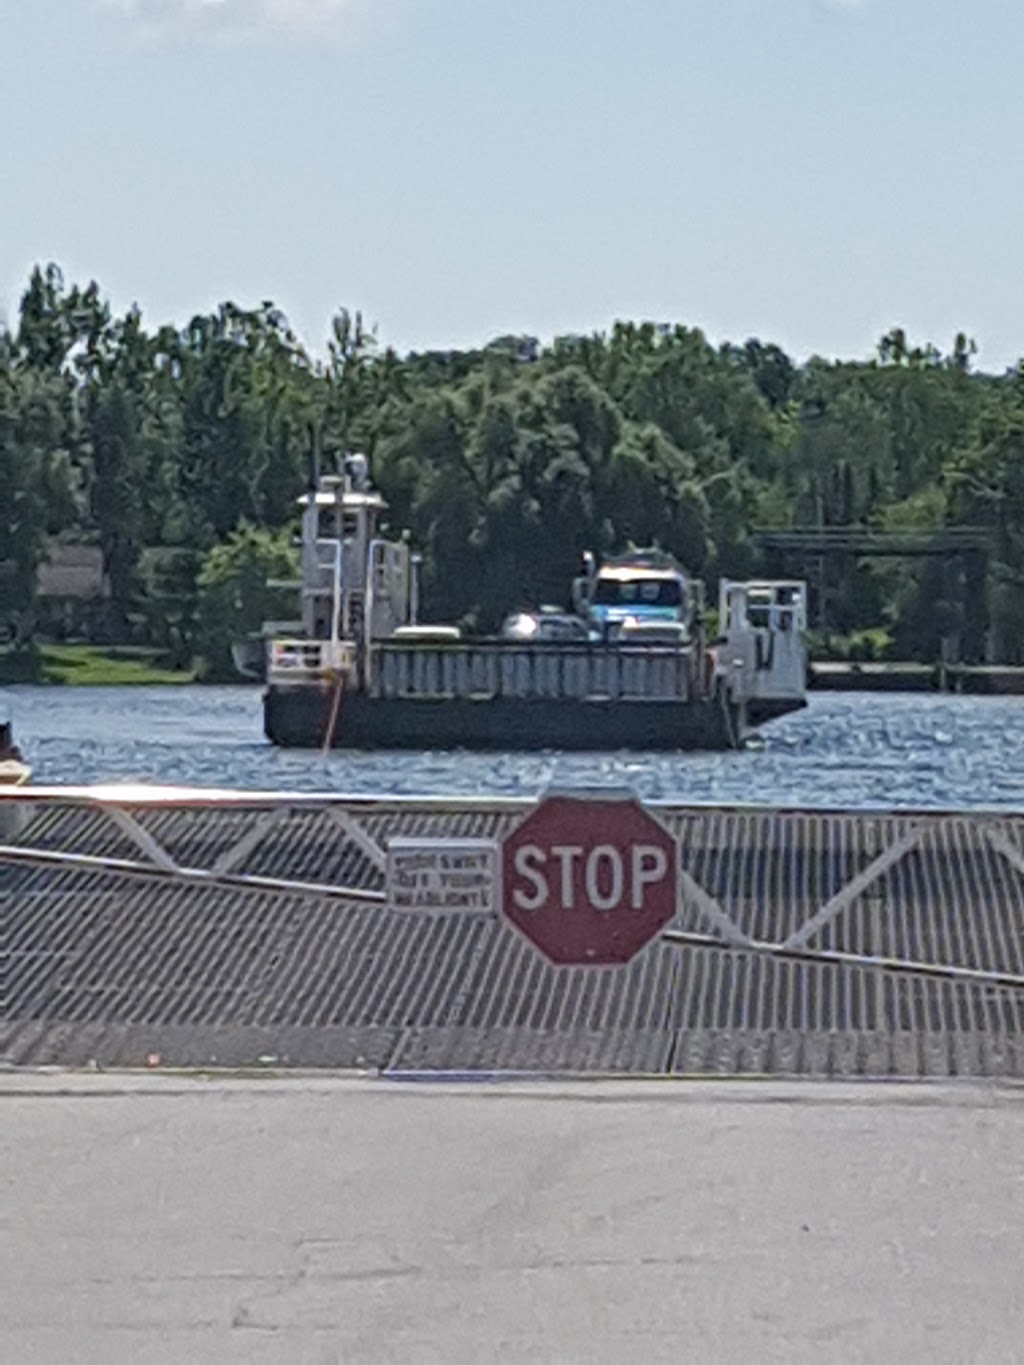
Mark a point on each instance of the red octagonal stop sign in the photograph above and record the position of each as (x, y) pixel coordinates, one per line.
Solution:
(588, 880)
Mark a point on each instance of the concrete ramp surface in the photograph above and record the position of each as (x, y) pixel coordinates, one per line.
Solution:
(157, 1219)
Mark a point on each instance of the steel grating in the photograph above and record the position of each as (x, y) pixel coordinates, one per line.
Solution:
(107, 965)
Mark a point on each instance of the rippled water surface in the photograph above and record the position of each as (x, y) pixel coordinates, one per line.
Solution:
(845, 750)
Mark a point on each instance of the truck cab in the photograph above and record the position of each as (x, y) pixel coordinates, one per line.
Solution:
(642, 596)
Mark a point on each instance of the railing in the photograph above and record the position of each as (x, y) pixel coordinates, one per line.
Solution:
(556, 671)
(870, 881)
(865, 541)
(828, 942)
(303, 661)
(769, 604)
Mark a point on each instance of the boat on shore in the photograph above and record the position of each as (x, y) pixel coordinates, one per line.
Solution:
(14, 772)
(628, 668)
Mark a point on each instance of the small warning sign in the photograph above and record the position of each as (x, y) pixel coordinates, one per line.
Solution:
(442, 876)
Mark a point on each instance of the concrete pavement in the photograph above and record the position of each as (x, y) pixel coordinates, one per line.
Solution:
(310, 1218)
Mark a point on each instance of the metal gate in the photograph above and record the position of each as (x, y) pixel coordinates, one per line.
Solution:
(238, 929)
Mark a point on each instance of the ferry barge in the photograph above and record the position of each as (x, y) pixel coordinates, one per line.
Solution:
(628, 668)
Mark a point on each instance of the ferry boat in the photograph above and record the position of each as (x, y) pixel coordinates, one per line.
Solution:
(628, 668)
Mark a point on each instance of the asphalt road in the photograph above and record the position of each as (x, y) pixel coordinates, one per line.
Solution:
(158, 1218)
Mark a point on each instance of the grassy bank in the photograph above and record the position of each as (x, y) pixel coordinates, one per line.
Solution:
(89, 666)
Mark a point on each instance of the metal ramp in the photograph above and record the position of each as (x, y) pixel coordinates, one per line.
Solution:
(233, 929)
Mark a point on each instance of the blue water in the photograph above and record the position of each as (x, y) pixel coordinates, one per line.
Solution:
(846, 750)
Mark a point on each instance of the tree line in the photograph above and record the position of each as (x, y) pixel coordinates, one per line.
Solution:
(180, 452)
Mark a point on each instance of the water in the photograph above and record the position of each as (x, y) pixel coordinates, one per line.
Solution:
(846, 750)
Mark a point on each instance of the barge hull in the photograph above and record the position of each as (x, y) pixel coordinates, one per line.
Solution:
(300, 717)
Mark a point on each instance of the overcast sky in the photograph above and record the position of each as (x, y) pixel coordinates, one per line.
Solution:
(812, 172)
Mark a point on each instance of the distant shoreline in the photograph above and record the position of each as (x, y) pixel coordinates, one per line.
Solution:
(977, 679)
(89, 665)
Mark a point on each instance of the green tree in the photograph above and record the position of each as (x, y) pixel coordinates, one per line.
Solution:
(36, 483)
(234, 592)
(505, 462)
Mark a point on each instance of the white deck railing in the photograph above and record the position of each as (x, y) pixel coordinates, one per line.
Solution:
(555, 671)
(304, 661)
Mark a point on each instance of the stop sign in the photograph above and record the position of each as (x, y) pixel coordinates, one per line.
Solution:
(589, 881)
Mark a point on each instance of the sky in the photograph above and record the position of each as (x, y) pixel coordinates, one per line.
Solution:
(809, 172)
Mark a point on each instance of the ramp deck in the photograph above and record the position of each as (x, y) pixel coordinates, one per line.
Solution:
(253, 930)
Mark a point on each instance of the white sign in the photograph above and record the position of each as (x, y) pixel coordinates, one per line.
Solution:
(442, 876)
